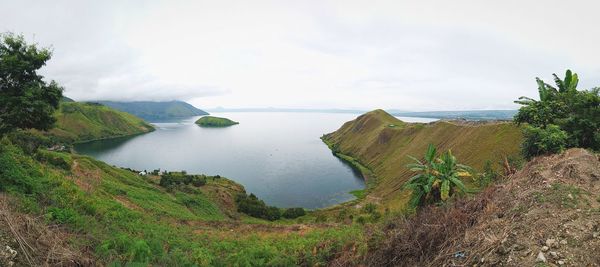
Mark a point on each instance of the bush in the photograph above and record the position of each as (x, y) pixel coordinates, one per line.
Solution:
(57, 159)
(541, 141)
(293, 213)
(564, 117)
(62, 216)
(370, 208)
(251, 205)
(177, 178)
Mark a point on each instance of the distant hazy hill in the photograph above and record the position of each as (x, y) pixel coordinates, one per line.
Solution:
(77, 122)
(476, 115)
(149, 110)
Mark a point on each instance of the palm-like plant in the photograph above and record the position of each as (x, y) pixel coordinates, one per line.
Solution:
(544, 111)
(437, 179)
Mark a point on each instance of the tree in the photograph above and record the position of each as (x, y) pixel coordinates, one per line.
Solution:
(562, 115)
(26, 101)
(438, 178)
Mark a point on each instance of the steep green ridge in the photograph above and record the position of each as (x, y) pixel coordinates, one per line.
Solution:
(383, 143)
(149, 110)
(210, 121)
(117, 216)
(78, 122)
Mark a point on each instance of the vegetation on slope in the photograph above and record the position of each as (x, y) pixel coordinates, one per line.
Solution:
(384, 149)
(563, 117)
(79, 122)
(117, 216)
(547, 214)
(149, 110)
(210, 121)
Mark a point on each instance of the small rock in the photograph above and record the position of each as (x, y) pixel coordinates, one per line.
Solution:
(563, 242)
(570, 196)
(551, 242)
(595, 234)
(540, 257)
(553, 254)
(545, 248)
(561, 262)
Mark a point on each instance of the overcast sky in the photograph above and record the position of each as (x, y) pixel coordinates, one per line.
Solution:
(409, 55)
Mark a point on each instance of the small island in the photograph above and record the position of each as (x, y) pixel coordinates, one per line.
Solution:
(210, 121)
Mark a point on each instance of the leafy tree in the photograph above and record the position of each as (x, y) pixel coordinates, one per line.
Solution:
(561, 108)
(26, 101)
(438, 178)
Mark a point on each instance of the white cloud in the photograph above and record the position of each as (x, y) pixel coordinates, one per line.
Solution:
(411, 55)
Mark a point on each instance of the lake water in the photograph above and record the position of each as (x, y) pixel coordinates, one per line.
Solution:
(277, 156)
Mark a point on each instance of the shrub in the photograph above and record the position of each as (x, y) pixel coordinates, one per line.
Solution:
(370, 208)
(251, 205)
(293, 213)
(176, 178)
(62, 216)
(541, 141)
(576, 113)
(61, 160)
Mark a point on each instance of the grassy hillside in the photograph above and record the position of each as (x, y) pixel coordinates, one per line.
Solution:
(381, 143)
(210, 121)
(77, 122)
(74, 209)
(149, 110)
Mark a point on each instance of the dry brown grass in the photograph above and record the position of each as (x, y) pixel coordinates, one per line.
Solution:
(554, 197)
(37, 243)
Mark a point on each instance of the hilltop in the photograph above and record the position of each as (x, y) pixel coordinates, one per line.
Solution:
(152, 111)
(380, 144)
(80, 122)
(210, 121)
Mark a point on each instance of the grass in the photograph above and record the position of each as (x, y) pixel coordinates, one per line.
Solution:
(359, 194)
(126, 219)
(210, 121)
(80, 122)
(384, 150)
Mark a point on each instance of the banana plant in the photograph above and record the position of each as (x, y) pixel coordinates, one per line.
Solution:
(437, 178)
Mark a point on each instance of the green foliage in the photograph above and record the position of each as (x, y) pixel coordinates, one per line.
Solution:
(182, 178)
(489, 175)
(61, 215)
(210, 121)
(58, 159)
(370, 208)
(561, 107)
(292, 213)
(251, 205)
(540, 141)
(79, 122)
(438, 178)
(26, 100)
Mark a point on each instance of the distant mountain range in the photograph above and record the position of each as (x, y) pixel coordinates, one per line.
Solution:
(156, 111)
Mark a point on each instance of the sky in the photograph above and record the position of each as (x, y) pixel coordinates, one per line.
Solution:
(407, 55)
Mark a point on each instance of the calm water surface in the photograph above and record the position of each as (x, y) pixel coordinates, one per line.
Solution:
(277, 156)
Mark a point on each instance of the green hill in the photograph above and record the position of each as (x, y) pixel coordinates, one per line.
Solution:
(151, 111)
(79, 122)
(210, 121)
(74, 210)
(380, 144)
